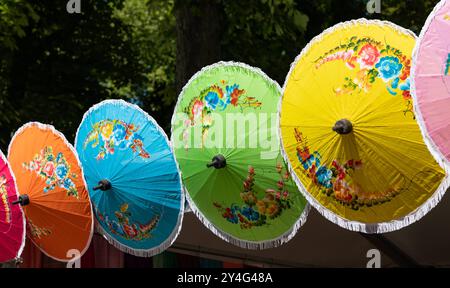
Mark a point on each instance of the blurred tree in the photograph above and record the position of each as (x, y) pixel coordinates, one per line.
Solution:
(152, 37)
(54, 65)
(15, 17)
(55, 68)
(264, 33)
(199, 33)
(410, 14)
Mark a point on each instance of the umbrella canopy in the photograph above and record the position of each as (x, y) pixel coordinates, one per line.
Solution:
(431, 81)
(349, 133)
(132, 177)
(53, 192)
(12, 221)
(225, 134)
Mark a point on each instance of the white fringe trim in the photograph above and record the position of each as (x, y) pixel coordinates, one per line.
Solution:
(52, 129)
(24, 232)
(435, 151)
(176, 230)
(255, 245)
(383, 227)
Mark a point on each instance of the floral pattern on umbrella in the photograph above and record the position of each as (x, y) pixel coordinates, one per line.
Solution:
(447, 66)
(336, 180)
(217, 97)
(54, 169)
(374, 60)
(36, 231)
(125, 227)
(256, 211)
(109, 135)
(4, 199)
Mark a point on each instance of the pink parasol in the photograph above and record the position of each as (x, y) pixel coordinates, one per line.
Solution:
(12, 221)
(431, 82)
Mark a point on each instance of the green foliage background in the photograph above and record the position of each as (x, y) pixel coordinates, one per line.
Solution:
(54, 66)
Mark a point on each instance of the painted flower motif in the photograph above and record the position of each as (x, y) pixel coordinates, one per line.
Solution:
(280, 184)
(233, 93)
(2, 180)
(232, 218)
(4, 199)
(116, 227)
(107, 130)
(394, 83)
(212, 99)
(68, 183)
(130, 230)
(447, 66)
(124, 208)
(389, 68)
(109, 147)
(119, 133)
(279, 167)
(406, 95)
(197, 109)
(257, 208)
(124, 226)
(406, 86)
(363, 80)
(368, 56)
(337, 180)
(37, 232)
(35, 166)
(55, 171)
(249, 213)
(310, 160)
(61, 171)
(216, 97)
(49, 169)
(324, 177)
(376, 60)
(406, 68)
(111, 135)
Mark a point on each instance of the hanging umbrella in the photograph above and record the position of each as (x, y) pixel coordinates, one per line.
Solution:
(431, 81)
(12, 221)
(225, 134)
(132, 177)
(52, 191)
(349, 133)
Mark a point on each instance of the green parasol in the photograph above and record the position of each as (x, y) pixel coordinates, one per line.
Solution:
(225, 137)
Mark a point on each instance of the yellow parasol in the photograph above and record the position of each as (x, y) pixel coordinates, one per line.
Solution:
(349, 132)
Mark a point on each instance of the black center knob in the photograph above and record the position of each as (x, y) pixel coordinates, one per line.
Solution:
(103, 185)
(343, 127)
(217, 162)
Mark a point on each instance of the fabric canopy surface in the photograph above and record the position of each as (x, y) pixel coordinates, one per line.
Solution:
(12, 221)
(349, 132)
(431, 81)
(229, 110)
(59, 214)
(141, 211)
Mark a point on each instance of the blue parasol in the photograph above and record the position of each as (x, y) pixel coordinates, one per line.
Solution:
(132, 177)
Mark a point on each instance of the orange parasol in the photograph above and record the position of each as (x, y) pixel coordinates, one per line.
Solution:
(52, 191)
